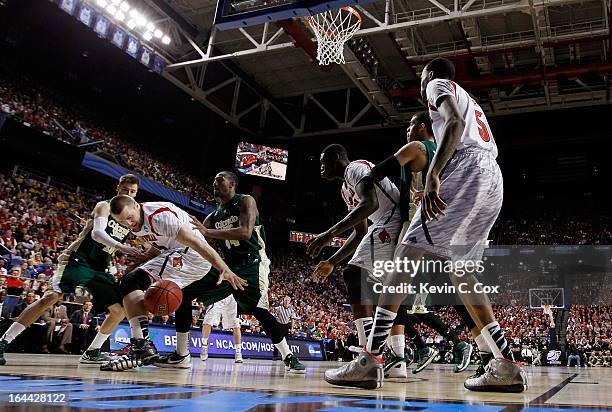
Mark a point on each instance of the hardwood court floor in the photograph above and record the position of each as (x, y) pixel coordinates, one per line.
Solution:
(220, 385)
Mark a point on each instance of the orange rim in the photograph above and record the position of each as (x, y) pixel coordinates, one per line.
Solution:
(345, 8)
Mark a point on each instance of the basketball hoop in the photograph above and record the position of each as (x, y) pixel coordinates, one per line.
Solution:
(333, 28)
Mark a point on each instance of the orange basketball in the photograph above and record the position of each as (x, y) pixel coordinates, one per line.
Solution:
(163, 297)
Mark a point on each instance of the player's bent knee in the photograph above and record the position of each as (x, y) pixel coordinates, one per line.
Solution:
(136, 280)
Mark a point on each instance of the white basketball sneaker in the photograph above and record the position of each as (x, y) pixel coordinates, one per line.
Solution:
(204, 353)
(238, 358)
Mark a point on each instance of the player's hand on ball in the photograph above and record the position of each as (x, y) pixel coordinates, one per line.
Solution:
(236, 281)
(432, 205)
(317, 244)
(322, 271)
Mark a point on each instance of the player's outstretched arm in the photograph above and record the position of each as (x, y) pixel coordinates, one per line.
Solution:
(100, 215)
(187, 237)
(248, 216)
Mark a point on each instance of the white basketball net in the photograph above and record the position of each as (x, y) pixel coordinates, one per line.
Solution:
(333, 28)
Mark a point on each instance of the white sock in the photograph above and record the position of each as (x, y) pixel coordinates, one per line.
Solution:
(283, 348)
(239, 347)
(482, 344)
(204, 341)
(182, 343)
(362, 335)
(135, 327)
(398, 344)
(484, 332)
(98, 341)
(13, 331)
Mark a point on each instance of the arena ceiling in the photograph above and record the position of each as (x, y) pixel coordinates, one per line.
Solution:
(513, 55)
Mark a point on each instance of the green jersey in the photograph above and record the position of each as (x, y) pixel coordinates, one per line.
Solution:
(238, 253)
(406, 182)
(86, 251)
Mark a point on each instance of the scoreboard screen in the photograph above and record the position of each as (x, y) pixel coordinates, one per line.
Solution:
(304, 237)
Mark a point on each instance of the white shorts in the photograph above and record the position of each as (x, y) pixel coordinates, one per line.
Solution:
(377, 245)
(178, 266)
(472, 187)
(225, 310)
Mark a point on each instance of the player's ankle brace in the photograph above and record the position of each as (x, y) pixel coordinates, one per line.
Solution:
(275, 331)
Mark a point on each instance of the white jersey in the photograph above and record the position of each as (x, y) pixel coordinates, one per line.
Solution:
(477, 132)
(162, 222)
(386, 192)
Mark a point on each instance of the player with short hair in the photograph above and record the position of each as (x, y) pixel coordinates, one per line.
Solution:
(224, 312)
(185, 257)
(85, 263)
(461, 201)
(366, 199)
(240, 236)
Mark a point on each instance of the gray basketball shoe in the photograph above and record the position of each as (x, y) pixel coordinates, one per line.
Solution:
(366, 371)
(501, 375)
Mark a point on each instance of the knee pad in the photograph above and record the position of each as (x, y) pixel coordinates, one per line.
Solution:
(182, 317)
(273, 328)
(136, 280)
(352, 278)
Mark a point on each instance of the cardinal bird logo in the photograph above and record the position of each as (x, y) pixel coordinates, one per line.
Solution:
(177, 262)
(384, 236)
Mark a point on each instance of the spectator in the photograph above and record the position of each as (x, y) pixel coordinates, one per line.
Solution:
(56, 317)
(84, 326)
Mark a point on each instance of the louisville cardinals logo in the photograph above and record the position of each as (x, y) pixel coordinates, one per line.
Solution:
(384, 236)
(177, 262)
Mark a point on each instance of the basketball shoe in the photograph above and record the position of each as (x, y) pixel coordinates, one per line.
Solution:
(394, 366)
(366, 371)
(94, 356)
(142, 353)
(463, 354)
(500, 375)
(293, 364)
(424, 357)
(204, 353)
(238, 358)
(174, 360)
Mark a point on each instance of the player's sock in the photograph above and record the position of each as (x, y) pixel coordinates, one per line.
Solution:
(383, 321)
(482, 344)
(434, 322)
(204, 341)
(182, 343)
(398, 344)
(12, 332)
(496, 339)
(364, 327)
(98, 341)
(239, 347)
(140, 327)
(283, 348)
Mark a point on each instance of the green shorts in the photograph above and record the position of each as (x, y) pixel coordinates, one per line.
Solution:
(254, 295)
(102, 285)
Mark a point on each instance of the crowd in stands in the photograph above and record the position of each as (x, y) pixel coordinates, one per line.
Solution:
(70, 121)
(38, 221)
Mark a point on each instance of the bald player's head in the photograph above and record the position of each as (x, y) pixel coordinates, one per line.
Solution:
(126, 211)
(334, 159)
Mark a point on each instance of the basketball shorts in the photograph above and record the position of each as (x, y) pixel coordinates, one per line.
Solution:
(73, 272)
(181, 266)
(226, 311)
(377, 245)
(254, 295)
(472, 187)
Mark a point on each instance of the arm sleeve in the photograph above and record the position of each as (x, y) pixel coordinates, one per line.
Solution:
(438, 88)
(99, 232)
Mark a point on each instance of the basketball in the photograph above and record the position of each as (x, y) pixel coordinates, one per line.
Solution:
(163, 297)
